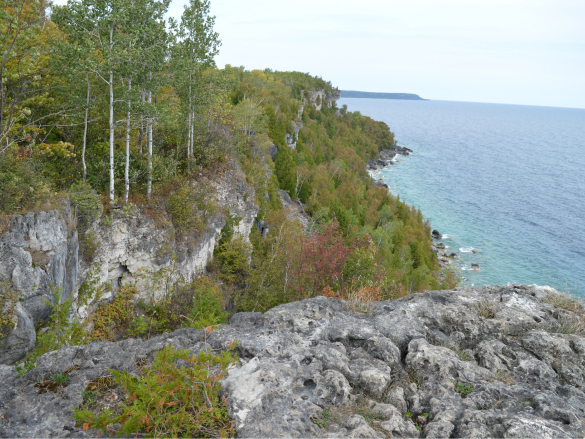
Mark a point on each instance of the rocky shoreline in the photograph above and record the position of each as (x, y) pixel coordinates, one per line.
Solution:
(469, 362)
(387, 157)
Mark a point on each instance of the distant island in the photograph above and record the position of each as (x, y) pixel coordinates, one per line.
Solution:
(371, 95)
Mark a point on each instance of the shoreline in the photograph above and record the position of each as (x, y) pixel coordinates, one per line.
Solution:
(387, 158)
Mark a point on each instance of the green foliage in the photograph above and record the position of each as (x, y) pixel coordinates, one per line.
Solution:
(90, 288)
(463, 356)
(285, 170)
(463, 389)
(60, 379)
(88, 245)
(190, 206)
(23, 185)
(88, 208)
(207, 304)
(179, 396)
(113, 318)
(196, 304)
(233, 258)
(324, 421)
(58, 333)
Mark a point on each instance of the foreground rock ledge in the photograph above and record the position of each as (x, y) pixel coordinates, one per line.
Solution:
(302, 358)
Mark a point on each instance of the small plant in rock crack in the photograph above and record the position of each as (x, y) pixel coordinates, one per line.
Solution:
(463, 356)
(486, 308)
(324, 421)
(419, 421)
(504, 377)
(413, 377)
(463, 389)
(60, 379)
(89, 397)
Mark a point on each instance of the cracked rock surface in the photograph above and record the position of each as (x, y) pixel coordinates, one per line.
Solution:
(490, 362)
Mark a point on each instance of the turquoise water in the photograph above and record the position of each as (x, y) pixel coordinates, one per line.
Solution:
(504, 181)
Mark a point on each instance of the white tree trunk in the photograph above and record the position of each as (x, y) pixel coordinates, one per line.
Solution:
(189, 129)
(149, 128)
(85, 131)
(141, 135)
(127, 167)
(111, 84)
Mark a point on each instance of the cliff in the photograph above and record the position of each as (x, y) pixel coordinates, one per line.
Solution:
(39, 255)
(491, 362)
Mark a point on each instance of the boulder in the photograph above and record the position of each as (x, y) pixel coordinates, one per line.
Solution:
(21, 338)
(380, 183)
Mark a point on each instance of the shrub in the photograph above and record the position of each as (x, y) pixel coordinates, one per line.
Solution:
(197, 304)
(87, 204)
(463, 389)
(113, 318)
(177, 397)
(206, 305)
(189, 207)
(486, 308)
(61, 332)
(23, 185)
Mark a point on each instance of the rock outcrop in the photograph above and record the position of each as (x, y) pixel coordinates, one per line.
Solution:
(291, 138)
(295, 209)
(39, 255)
(387, 157)
(491, 362)
(319, 97)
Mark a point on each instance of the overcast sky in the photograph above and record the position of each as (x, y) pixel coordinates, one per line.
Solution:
(507, 51)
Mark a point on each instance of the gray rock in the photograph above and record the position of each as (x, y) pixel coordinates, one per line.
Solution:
(20, 340)
(503, 377)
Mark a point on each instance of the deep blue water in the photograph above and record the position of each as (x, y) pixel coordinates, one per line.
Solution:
(505, 180)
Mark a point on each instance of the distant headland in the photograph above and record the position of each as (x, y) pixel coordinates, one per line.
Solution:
(373, 95)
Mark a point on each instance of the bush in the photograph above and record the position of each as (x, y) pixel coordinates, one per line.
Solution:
(61, 332)
(206, 304)
(197, 304)
(23, 185)
(177, 397)
(189, 207)
(113, 319)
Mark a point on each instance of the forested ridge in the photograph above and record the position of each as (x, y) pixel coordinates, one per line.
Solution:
(109, 97)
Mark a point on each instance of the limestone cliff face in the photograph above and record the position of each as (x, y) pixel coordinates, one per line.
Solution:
(39, 253)
(318, 97)
(38, 256)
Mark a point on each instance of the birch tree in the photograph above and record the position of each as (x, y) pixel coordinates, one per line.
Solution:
(102, 22)
(195, 51)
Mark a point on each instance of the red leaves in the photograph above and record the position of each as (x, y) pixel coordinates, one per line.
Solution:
(321, 260)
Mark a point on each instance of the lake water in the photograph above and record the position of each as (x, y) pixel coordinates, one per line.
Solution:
(506, 183)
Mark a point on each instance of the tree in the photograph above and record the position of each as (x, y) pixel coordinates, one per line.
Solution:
(195, 51)
(100, 22)
(127, 39)
(26, 35)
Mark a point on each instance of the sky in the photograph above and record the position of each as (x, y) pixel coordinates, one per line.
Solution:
(529, 52)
